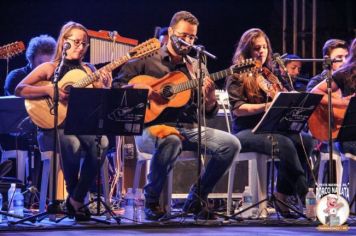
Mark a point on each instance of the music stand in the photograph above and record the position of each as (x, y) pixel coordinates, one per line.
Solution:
(287, 114)
(12, 113)
(348, 129)
(105, 112)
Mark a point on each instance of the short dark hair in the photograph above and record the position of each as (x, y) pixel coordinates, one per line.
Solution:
(43, 44)
(163, 31)
(291, 56)
(331, 44)
(185, 16)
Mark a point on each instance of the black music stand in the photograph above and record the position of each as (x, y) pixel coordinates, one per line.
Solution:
(12, 114)
(348, 130)
(105, 112)
(287, 114)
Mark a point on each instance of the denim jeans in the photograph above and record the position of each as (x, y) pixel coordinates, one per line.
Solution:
(72, 148)
(291, 177)
(220, 145)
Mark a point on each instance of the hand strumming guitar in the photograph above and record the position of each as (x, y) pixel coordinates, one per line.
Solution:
(104, 80)
(62, 94)
(209, 93)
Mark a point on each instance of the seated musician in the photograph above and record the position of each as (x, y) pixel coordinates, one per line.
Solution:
(40, 49)
(293, 69)
(71, 146)
(175, 129)
(249, 98)
(335, 49)
(343, 79)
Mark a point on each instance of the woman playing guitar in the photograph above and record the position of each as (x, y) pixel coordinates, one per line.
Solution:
(37, 85)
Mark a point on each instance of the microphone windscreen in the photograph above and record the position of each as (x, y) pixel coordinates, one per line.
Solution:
(66, 46)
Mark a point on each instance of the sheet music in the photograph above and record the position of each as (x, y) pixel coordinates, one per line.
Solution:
(289, 111)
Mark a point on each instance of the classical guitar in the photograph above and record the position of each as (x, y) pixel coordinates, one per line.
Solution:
(174, 89)
(318, 122)
(40, 109)
(12, 49)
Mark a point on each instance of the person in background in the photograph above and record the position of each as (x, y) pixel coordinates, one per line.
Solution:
(293, 69)
(40, 49)
(343, 82)
(163, 35)
(335, 49)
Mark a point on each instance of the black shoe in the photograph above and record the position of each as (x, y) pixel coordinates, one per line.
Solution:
(194, 203)
(285, 213)
(153, 211)
(82, 214)
(205, 214)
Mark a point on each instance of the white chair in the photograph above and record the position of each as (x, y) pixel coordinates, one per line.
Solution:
(338, 158)
(352, 179)
(142, 158)
(46, 157)
(21, 157)
(257, 166)
(257, 177)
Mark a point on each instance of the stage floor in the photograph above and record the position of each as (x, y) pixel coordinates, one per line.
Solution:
(178, 226)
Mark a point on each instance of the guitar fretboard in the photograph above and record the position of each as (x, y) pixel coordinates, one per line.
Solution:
(96, 75)
(243, 67)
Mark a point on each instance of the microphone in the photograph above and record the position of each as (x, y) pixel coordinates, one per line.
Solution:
(112, 34)
(336, 60)
(177, 45)
(178, 42)
(278, 59)
(66, 46)
(181, 41)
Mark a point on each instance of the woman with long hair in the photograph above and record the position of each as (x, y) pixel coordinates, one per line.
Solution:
(250, 94)
(71, 147)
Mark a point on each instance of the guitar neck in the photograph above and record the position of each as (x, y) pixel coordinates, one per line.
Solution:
(221, 74)
(194, 82)
(96, 75)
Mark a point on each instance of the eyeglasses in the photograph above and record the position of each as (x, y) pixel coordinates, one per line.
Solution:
(182, 35)
(77, 43)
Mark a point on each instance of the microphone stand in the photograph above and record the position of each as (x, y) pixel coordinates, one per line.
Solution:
(327, 63)
(53, 207)
(278, 61)
(201, 53)
(328, 77)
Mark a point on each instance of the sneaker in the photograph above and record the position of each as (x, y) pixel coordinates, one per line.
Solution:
(153, 211)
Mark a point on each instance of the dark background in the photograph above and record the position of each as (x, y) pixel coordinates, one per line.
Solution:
(222, 22)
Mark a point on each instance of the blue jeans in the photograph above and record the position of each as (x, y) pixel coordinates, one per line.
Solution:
(72, 148)
(291, 177)
(220, 145)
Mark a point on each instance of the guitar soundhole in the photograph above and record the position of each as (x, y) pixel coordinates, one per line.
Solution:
(68, 88)
(167, 92)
